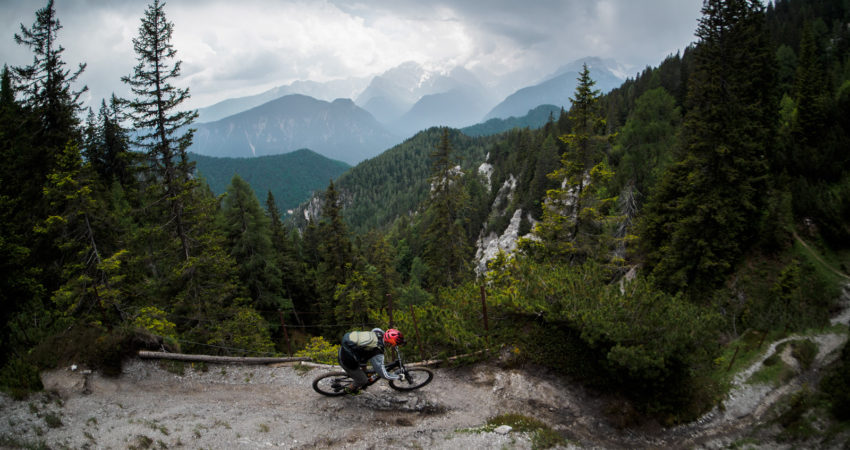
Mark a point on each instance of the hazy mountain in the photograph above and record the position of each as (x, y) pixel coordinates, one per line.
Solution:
(291, 178)
(338, 130)
(456, 108)
(535, 118)
(558, 87)
(410, 98)
(329, 90)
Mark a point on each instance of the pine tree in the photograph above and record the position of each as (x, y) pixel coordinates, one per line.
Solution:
(246, 227)
(21, 288)
(107, 146)
(336, 256)
(46, 84)
(576, 216)
(82, 228)
(48, 119)
(162, 126)
(446, 248)
(287, 259)
(708, 205)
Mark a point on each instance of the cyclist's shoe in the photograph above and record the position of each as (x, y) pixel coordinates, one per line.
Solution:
(352, 390)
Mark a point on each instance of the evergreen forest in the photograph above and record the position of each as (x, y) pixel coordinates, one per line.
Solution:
(700, 207)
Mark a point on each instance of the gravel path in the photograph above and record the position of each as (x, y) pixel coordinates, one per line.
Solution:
(248, 407)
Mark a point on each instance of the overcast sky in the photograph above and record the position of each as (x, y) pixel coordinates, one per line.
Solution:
(232, 48)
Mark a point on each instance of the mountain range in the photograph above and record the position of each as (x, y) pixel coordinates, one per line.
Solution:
(388, 108)
(557, 88)
(327, 91)
(338, 130)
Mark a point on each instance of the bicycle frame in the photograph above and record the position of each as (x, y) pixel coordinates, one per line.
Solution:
(373, 376)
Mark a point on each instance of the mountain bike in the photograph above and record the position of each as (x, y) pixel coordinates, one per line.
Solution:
(334, 384)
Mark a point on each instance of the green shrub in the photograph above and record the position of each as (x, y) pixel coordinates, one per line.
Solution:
(52, 420)
(805, 351)
(320, 351)
(156, 322)
(244, 333)
(19, 378)
(835, 385)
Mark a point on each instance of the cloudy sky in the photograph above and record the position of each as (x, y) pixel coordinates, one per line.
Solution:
(235, 48)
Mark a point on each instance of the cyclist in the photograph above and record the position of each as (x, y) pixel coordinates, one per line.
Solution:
(360, 347)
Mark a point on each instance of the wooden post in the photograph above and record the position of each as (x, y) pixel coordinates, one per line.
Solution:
(416, 331)
(390, 308)
(484, 310)
(285, 333)
(732, 361)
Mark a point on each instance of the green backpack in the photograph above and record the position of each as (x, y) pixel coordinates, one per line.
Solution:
(364, 339)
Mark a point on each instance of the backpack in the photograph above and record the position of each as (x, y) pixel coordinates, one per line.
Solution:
(366, 340)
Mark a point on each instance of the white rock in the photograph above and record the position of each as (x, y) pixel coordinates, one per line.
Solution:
(504, 429)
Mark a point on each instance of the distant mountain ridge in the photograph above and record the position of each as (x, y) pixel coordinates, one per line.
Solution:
(535, 118)
(557, 88)
(327, 91)
(338, 130)
(291, 177)
(411, 98)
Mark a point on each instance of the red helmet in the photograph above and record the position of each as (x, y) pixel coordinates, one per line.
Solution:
(393, 337)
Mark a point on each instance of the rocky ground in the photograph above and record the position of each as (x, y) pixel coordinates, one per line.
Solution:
(229, 406)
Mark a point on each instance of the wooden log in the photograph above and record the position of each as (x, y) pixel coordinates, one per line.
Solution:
(217, 359)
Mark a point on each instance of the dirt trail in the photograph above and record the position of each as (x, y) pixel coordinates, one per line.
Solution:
(251, 407)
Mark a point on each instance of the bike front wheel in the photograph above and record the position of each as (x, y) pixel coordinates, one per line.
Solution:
(415, 379)
(332, 384)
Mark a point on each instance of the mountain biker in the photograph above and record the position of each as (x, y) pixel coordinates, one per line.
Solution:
(360, 347)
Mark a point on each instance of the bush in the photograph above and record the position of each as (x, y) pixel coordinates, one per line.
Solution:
(320, 351)
(804, 351)
(835, 386)
(245, 333)
(19, 378)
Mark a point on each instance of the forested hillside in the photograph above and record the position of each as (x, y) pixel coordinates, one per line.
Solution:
(291, 177)
(700, 207)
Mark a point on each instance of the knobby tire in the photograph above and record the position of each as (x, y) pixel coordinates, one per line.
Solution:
(416, 378)
(332, 384)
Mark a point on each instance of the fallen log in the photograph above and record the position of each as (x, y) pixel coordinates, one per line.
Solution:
(218, 359)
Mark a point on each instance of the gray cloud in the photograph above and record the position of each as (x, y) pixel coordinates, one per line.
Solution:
(240, 48)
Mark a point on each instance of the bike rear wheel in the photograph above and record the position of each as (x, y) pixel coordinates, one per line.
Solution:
(332, 384)
(415, 379)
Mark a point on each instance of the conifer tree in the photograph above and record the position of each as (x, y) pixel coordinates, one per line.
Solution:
(46, 85)
(246, 226)
(446, 247)
(156, 115)
(107, 146)
(336, 255)
(576, 215)
(49, 120)
(708, 205)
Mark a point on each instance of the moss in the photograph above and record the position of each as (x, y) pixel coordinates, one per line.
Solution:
(542, 435)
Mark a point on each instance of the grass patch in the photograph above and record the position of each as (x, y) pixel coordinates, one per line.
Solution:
(141, 442)
(741, 354)
(153, 425)
(7, 441)
(264, 428)
(774, 370)
(542, 435)
(301, 369)
(52, 420)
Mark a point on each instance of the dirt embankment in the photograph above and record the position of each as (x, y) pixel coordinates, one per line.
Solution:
(227, 406)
